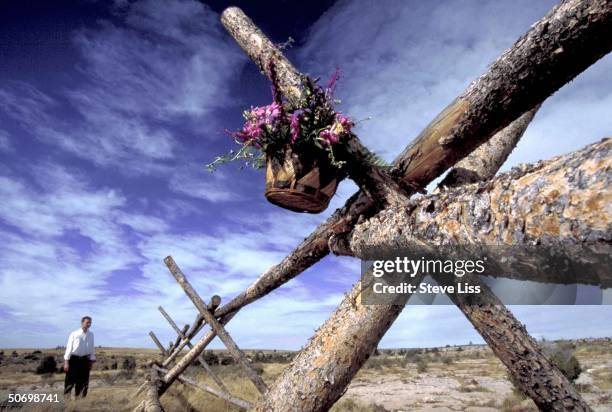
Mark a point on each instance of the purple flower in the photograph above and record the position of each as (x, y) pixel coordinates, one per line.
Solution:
(294, 125)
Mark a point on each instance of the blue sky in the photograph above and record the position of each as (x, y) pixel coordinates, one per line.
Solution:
(109, 111)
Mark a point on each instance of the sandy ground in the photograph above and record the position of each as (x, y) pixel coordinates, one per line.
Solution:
(469, 379)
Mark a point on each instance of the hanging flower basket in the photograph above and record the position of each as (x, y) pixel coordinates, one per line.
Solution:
(301, 181)
(296, 145)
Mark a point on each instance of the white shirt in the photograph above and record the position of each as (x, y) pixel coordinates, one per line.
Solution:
(80, 344)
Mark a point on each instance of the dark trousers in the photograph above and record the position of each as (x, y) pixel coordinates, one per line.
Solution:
(77, 376)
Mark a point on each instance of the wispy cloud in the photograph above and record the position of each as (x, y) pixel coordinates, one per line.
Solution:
(104, 173)
(5, 143)
(162, 63)
(197, 183)
(403, 62)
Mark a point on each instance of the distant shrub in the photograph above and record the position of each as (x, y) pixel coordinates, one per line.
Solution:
(412, 355)
(259, 356)
(447, 360)
(421, 366)
(47, 365)
(227, 361)
(562, 356)
(211, 358)
(258, 368)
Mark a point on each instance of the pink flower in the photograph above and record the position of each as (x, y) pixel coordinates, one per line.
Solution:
(266, 115)
(341, 126)
(329, 136)
(257, 119)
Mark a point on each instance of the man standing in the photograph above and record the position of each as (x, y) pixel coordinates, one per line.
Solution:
(79, 358)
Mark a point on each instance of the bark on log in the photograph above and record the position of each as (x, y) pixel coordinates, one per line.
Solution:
(531, 370)
(320, 373)
(563, 201)
(151, 401)
(215, 325)
(571, 37)
(238, 402)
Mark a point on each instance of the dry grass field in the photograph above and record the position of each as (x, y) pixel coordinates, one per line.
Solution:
(466, 378)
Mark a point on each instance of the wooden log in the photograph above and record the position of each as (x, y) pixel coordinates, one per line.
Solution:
(200, 358)
(571, 37)
(559, 203)
(158, 343)
(307, 384)
(322, 370)
(484, 162)
(151, 401)
(532, 371)
(177, 340)
(215, 325)
(310, 251)
(198, 324)
(583, 22)
(238, 402)
(191, 355)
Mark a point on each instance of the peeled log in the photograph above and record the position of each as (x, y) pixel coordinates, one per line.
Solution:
(484, 162)
(151, 401)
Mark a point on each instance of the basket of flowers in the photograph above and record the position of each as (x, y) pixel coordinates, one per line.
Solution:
(296, 146)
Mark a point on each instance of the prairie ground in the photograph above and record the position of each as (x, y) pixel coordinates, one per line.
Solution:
(465, 378)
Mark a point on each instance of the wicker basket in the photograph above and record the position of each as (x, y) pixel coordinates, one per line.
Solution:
(303, 182)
